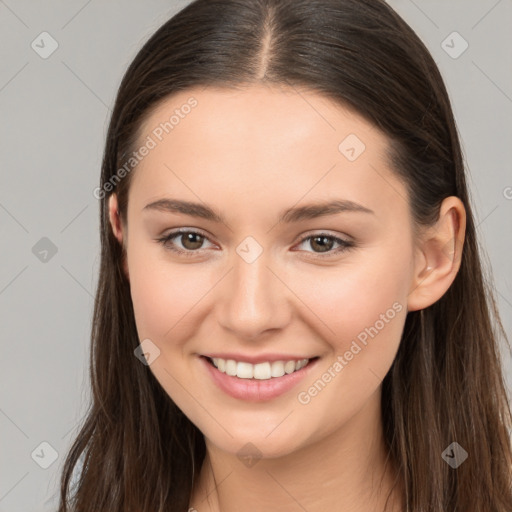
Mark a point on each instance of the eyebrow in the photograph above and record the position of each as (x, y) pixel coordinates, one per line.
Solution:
(290, 215)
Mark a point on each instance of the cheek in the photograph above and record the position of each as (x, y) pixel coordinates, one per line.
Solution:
(359, 293)
(166, 300)
(164, 294)
(360, 309)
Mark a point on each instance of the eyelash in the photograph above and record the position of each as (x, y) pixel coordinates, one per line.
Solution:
(165, 241)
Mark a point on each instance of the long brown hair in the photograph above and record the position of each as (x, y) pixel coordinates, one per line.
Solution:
(136, 451)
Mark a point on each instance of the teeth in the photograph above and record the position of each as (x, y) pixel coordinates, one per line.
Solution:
(245, 370)
(260, 371)
(231, 367)
(277, 369)
(290, 366)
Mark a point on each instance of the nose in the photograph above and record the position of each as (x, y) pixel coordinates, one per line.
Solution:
(253, 298)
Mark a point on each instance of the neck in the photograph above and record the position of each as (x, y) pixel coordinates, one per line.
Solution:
(348, 470)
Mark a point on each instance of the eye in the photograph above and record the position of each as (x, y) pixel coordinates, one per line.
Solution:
(191, 241)
(324, 243)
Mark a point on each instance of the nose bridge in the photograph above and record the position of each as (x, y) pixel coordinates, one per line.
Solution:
(252, 298)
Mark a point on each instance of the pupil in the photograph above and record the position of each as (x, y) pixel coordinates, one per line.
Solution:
(189, 238)
(322, 243)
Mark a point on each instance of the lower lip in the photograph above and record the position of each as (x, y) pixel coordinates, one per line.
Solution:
(256, 390)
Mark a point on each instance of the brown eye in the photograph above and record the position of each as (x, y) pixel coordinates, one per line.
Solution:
(191, 241)
(322, 243)
(186, 242)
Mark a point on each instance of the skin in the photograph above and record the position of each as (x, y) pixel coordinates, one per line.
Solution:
(251, 153)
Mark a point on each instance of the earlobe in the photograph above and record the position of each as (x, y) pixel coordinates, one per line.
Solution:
(439, 255)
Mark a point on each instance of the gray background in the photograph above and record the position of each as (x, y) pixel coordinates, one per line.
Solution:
(54, 115)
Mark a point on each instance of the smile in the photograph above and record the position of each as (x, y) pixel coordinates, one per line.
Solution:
(257, 382)
(262, 371)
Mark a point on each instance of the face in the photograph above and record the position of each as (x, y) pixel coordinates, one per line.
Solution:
(329, 285)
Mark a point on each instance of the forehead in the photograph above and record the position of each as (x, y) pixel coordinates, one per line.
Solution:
(258, 115)
(260, 141)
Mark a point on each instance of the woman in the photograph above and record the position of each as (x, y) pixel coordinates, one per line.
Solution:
(291, 311)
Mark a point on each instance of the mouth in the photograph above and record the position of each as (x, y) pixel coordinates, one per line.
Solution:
(261, 371)
(258, 382)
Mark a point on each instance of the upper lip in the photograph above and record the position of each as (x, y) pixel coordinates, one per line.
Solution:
(255, 359)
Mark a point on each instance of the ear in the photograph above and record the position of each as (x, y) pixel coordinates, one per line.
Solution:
(438, 255)
(115, 219)
(117, 229)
